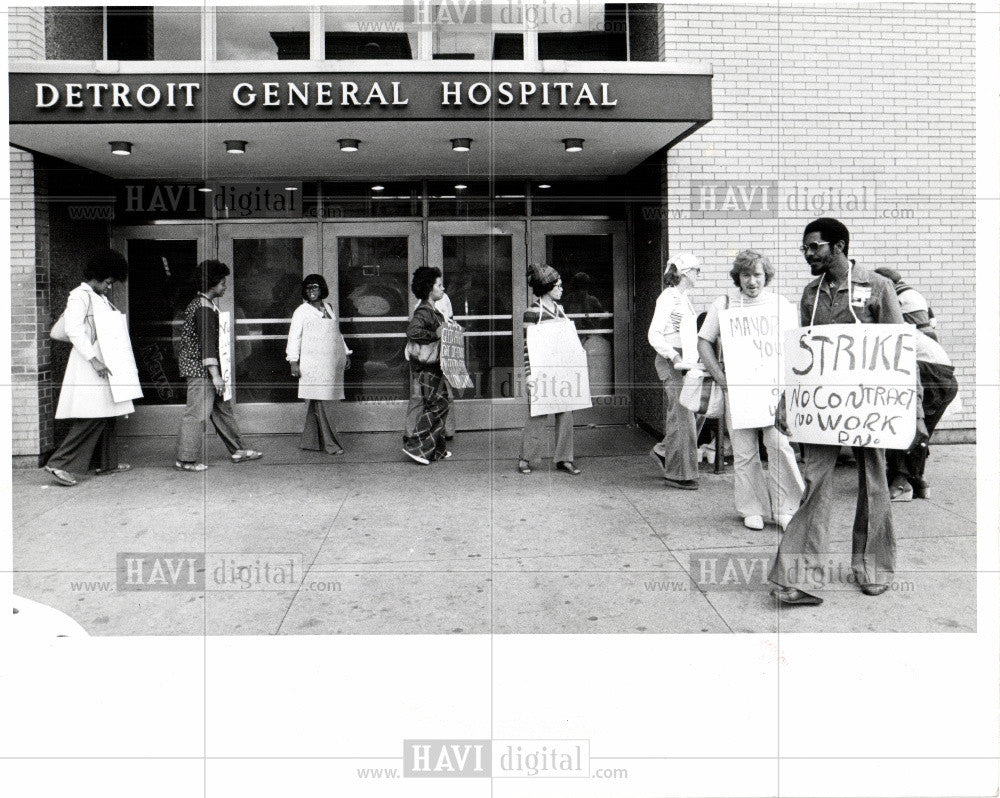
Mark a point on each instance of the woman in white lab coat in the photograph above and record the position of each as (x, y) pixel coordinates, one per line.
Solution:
(85, 396)
(314, 323)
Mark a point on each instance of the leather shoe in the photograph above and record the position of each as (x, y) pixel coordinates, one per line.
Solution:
(874, 590)
(568, 467)
(790, 595)
(681, 484)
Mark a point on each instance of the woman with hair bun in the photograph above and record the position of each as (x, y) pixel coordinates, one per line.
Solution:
(547, 287)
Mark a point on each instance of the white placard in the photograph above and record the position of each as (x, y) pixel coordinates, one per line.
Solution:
(321, 360)
(559, 378)
(113, 339)
(752, 339)
(226, 353)
(852, 385)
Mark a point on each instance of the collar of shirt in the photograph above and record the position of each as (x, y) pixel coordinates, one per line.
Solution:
(210, 301)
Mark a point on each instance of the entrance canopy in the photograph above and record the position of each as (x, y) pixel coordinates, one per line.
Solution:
(403, 116)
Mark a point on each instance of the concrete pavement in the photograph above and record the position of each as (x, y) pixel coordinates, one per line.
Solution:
(380, 545)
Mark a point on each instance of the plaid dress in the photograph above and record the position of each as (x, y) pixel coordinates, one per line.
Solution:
(428, 382)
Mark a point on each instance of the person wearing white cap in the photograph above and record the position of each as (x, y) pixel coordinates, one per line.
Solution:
(673, 334)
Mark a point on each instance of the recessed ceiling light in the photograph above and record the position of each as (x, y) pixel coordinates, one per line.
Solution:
(461, 145)
(545, 185)
(236, 147)
(461, 186)
(121, 147)
(205, 189)
(378, 188)
(348, 145)
(573, 145)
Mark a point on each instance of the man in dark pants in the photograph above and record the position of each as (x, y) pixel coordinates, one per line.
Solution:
(843, 293)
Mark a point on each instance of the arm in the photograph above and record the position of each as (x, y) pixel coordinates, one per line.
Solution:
(206, 329)
(423, 328)
(293, 348)
(79, 331)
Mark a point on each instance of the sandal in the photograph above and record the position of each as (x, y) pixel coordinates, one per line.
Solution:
(118, 469)
(181, 466)
(568, 467)
(790, 595)
(901, 493)
(60, 476)
(242, 455)
(524, 466)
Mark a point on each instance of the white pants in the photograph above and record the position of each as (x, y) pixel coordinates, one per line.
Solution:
(777, 493)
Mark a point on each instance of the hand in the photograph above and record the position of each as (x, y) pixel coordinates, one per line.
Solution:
(218, 384)
(781, 418)
(99, 367)
(440, 331)
(296, 371)
(920, 439)
(347, 363)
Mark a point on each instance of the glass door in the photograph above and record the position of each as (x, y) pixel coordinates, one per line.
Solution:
(163, 262)
(483, 263)
(268, 262)
(590, 258)
(368, 266)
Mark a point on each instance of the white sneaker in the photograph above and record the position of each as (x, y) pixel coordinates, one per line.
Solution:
(783, 521)
(417, 457)
(753, 522)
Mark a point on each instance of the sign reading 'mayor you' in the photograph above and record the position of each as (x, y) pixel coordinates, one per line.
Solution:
(852, 385)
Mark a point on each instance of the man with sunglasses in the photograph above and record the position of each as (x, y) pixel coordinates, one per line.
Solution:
(842, 293)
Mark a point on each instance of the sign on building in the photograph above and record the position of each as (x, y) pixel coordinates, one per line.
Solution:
(852, 385)
(226, 353)
(116, 353)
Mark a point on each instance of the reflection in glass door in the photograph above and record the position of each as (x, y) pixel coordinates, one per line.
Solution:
(483, 266)
(589, 256)
(369, 266)
(163, 264)
(268, 263)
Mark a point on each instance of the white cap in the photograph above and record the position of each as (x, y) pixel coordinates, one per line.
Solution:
(684, 261)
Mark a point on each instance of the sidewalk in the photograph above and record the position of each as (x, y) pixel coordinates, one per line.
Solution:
(466, 546)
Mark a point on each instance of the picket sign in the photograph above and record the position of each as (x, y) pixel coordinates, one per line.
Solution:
(321, 360)
(752, 338)
(115, 352)
(852, 385)
(226, 353)
(559, 379)
(453, 357)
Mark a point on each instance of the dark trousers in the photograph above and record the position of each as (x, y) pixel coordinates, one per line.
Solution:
(90, 443)
(320, 430)
(940, 389)
(804, 560)
(204, 404)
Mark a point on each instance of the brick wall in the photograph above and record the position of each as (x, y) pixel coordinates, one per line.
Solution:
(872, 101)
(31, 374)
(25, 34)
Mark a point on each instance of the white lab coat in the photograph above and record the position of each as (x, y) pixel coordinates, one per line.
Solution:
(84, 394)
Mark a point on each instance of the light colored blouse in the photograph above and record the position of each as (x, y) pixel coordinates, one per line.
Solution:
(664, 334)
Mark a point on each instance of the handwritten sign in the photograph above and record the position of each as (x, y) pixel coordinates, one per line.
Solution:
(559, 379)
(852, 385)
(226, 354)
(453, 357)
(322, 360)
(752, 339)
(116, 352)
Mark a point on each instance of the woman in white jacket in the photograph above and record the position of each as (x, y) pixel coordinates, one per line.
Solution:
(674, 322)
(86, 393)
(320, 431)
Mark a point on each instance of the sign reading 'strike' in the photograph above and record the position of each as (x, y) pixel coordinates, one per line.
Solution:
(852, 385)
